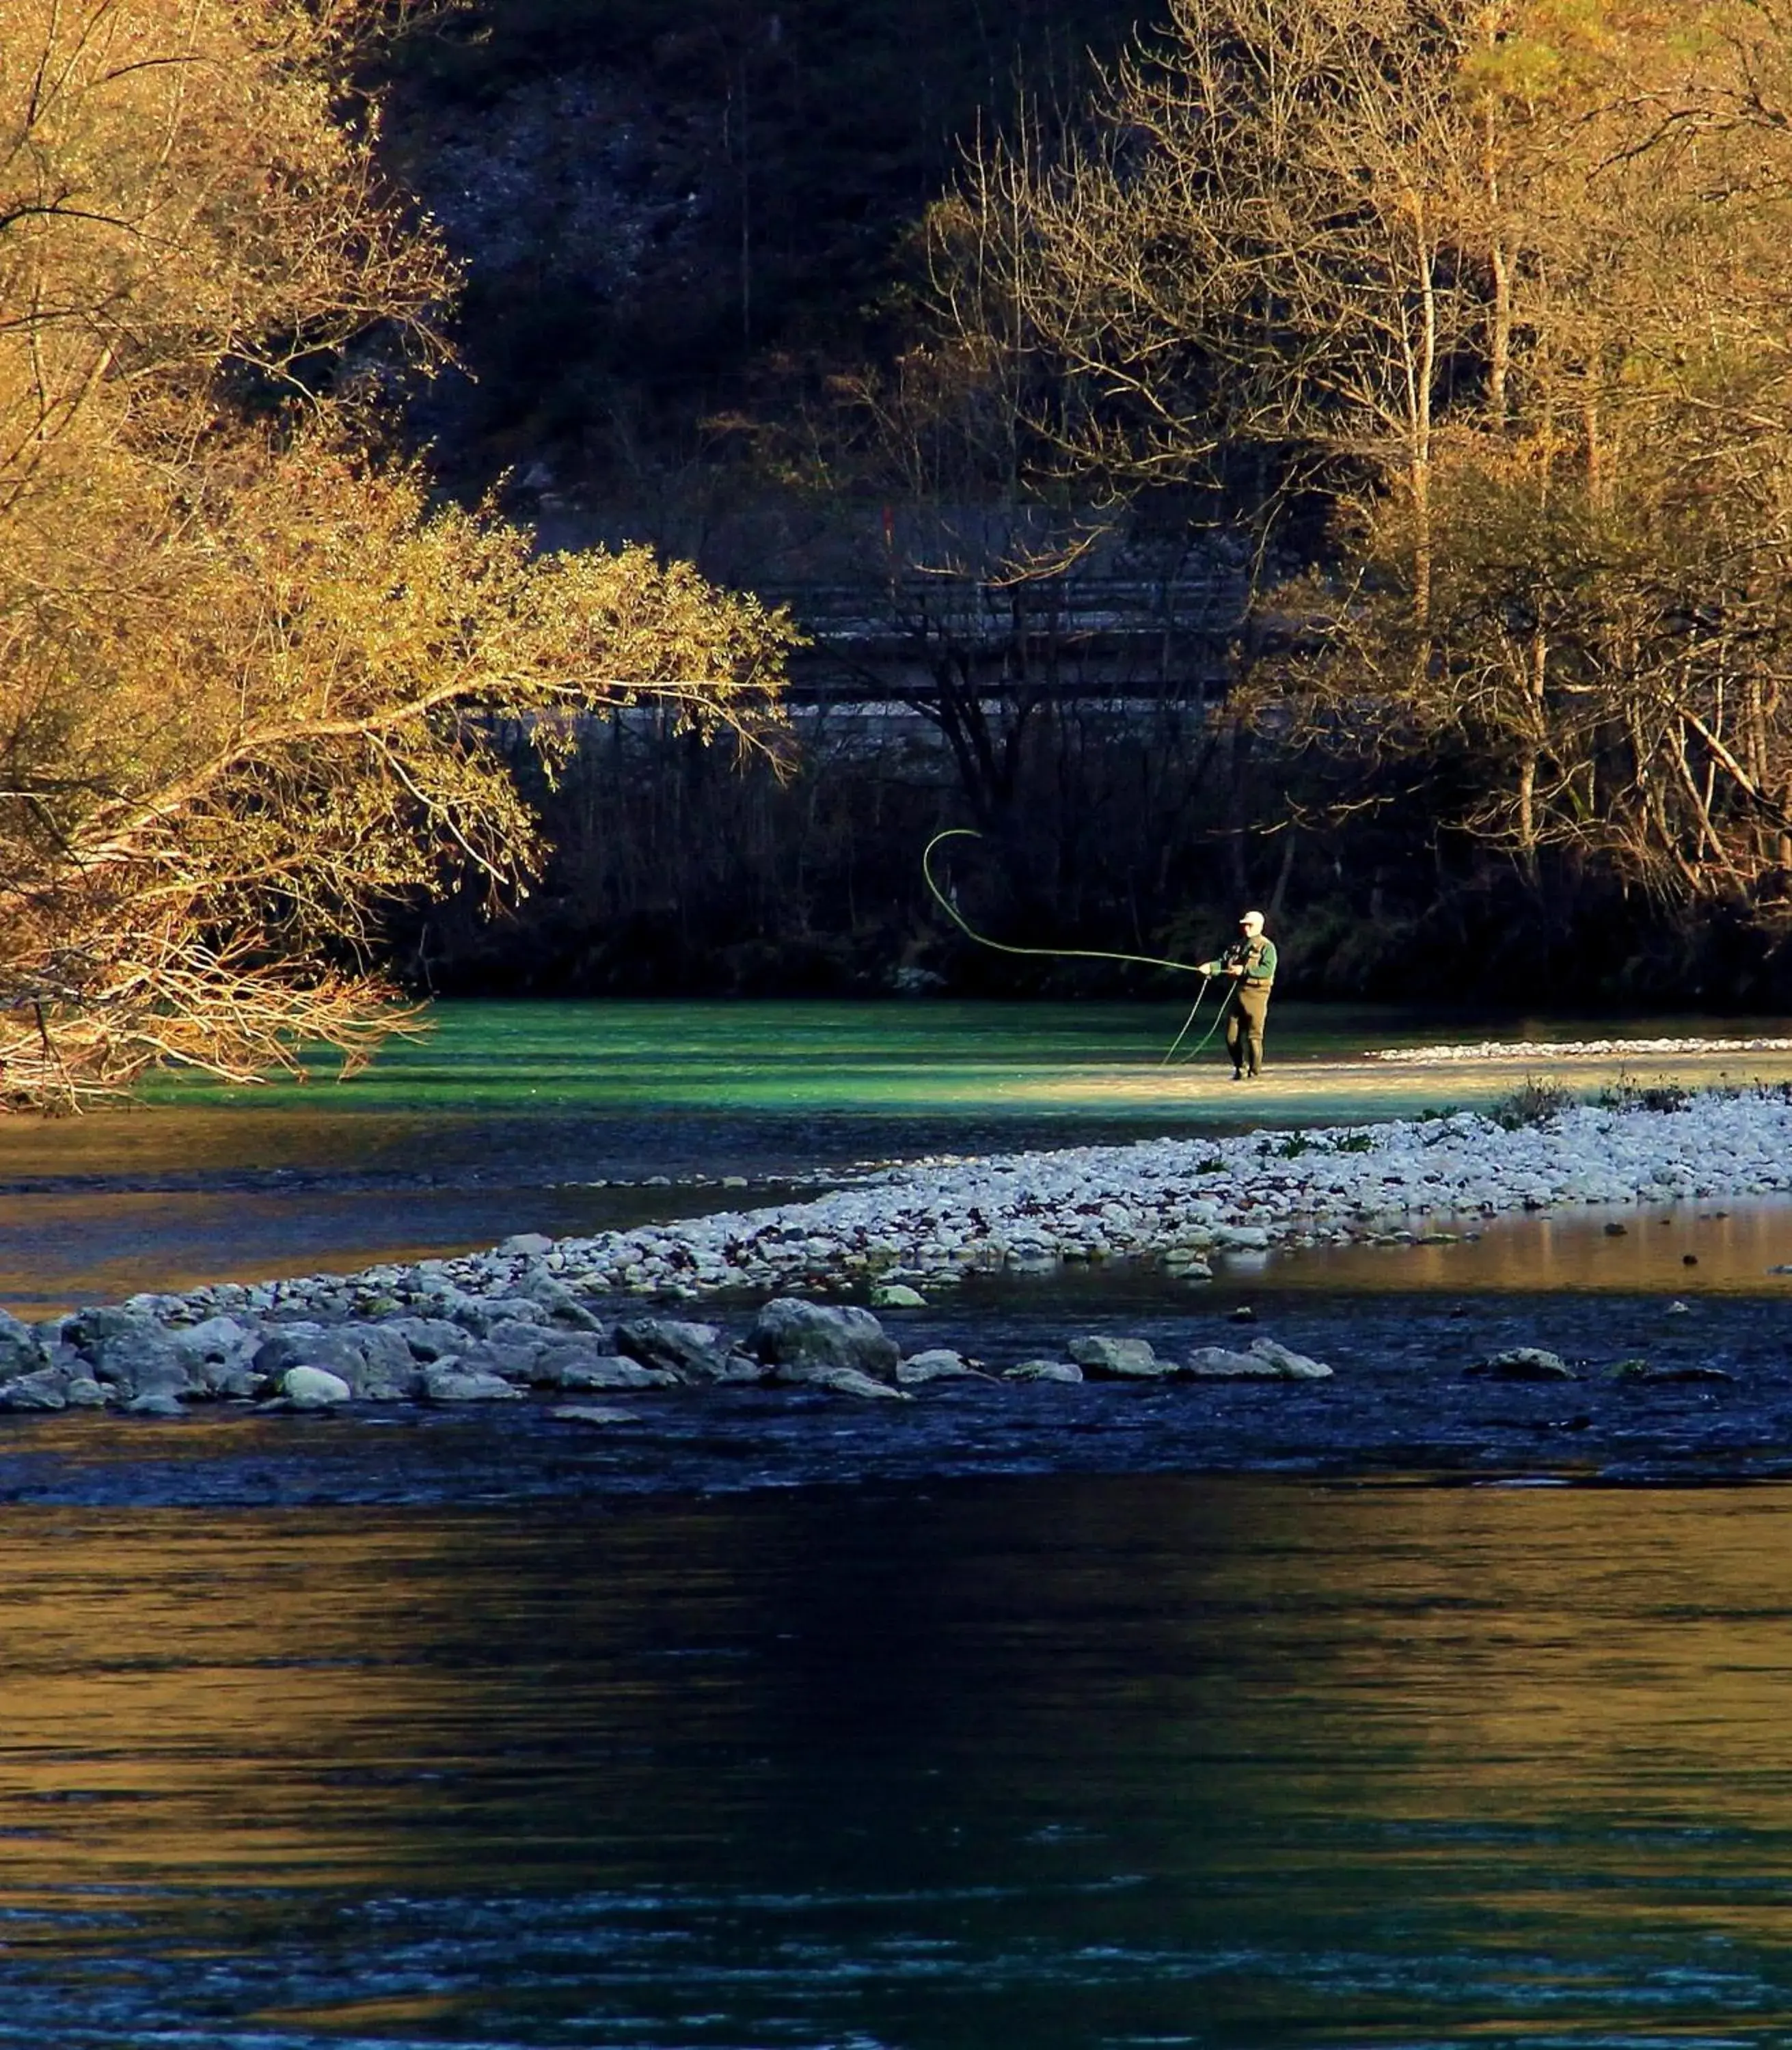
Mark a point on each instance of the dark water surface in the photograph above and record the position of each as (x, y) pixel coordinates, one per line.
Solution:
(1081, 1760)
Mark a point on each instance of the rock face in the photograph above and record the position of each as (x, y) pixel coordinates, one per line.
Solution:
(790, 1333)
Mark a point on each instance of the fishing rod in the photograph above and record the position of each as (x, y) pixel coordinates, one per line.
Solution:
(1071, 954)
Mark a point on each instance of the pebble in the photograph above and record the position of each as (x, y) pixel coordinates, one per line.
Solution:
(903, 1229)
(1180, 1201)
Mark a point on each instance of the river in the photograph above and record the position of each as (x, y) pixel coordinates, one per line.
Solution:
(569, 1118)
(1068, 1761)
(776, 1724)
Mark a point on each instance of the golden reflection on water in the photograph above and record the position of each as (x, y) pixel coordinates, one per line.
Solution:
(1238, 1718)
(172, 1691)
(1687, 1249)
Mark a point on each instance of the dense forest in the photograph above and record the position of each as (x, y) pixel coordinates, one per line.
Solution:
(1330, 456)
(572, 495)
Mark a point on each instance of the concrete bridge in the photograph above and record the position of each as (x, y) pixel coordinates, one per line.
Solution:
(914, 637)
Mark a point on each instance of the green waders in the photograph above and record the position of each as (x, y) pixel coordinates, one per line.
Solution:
(1244, 1027)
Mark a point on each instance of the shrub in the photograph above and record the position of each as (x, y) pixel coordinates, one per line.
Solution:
(1533, 1102)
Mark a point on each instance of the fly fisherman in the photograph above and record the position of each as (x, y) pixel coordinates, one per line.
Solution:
(1250, 961)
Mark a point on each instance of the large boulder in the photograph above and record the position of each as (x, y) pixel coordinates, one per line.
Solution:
(513, 1350)
(22, 1350)
(87, 1327)
(159, 1367)
(325, 1346)
(1266, 1361)
(1222, 1363)
(222, 1338)
(939, 1363)
(693, 1352)
(131, 1353)
(380, 1366)
(513, 1333)
(581, 1369)
(46, 1389)
(789, 1332)
(454, 1305)
(897, 1295)
(1118, 1359)
(373, 1360)
(1291, 1365)
(448, 1381)
(1524, 1363)
(559, 1301)
(742, 1371)
(1043, 1369)
(220, 1353)
(314, 1388)
(429, 1337)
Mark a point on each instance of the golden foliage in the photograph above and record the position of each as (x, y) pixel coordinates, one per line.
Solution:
(1509, 282)
(252, 684)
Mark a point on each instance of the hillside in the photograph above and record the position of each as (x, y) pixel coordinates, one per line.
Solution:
(665, 206)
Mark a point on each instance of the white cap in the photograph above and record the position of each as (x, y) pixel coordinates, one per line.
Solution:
(1253, 919)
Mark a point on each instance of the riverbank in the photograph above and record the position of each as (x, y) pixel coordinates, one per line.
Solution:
(932, 1222)
(552, 1316)
(572, 1120)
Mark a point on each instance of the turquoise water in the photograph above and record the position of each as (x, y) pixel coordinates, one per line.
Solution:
(923, 1058)
(1059, 1764)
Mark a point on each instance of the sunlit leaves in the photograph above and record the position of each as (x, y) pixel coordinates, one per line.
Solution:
(254, 681)
(1508, 285)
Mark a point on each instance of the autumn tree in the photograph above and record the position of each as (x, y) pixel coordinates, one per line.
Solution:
(1504, 284)
(255, 683)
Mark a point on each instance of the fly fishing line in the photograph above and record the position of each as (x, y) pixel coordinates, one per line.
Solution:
(1070, 953)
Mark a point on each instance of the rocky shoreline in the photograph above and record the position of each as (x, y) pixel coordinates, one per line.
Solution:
(549, 1317)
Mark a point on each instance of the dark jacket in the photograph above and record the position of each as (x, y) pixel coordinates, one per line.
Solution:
(1256, 957)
